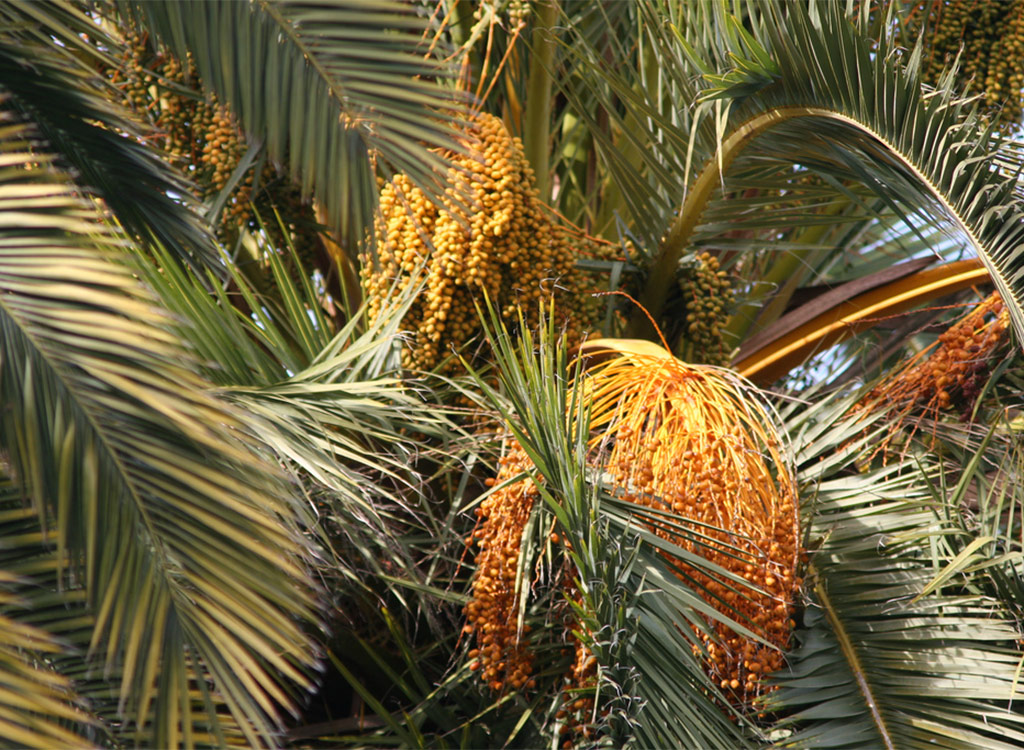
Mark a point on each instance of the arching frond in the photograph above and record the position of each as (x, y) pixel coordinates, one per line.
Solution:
(181, 535)
(803, 85)
(887, 658)
(75, 688)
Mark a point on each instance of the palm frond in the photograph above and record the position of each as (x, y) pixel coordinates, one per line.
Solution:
(181, 534)
(924, 149)
(980, 461)
(40, 706)
(355, 444)
(325, 86)
(34, 702)
(804, 86)
(77, 119)
(885, 660)
(330, 405)
(44, 597)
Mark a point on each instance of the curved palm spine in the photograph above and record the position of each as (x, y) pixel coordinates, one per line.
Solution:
(795, 337)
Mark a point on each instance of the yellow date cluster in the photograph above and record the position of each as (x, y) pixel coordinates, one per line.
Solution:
(492, 237)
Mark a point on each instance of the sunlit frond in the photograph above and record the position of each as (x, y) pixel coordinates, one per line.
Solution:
(200, 573)
(39, 706)
(809, 89)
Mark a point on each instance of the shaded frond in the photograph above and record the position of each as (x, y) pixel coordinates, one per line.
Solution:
(886, 659)
(325, 85)
(39, 707)
(77, 119)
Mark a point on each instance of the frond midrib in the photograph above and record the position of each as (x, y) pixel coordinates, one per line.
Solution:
(58, 374)
(288, 30)
(853, 659)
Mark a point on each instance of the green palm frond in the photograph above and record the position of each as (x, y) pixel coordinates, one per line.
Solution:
(39, 707)
(180, 533)
(77, 119)
(243, 336)
(330, 404)
(34, 701)
(886, 659)
(979, 463)
(324, 85)
(803, 86)
(42, 601)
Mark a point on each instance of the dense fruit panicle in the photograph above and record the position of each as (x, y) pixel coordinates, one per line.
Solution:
(691, 445)
(686, 440)
(501, 656)
(196, 132)
(988, 36)
(707, 294)
(492, 237)
(947, 376)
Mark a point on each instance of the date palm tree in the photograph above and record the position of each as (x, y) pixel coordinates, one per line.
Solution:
(218, 486)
